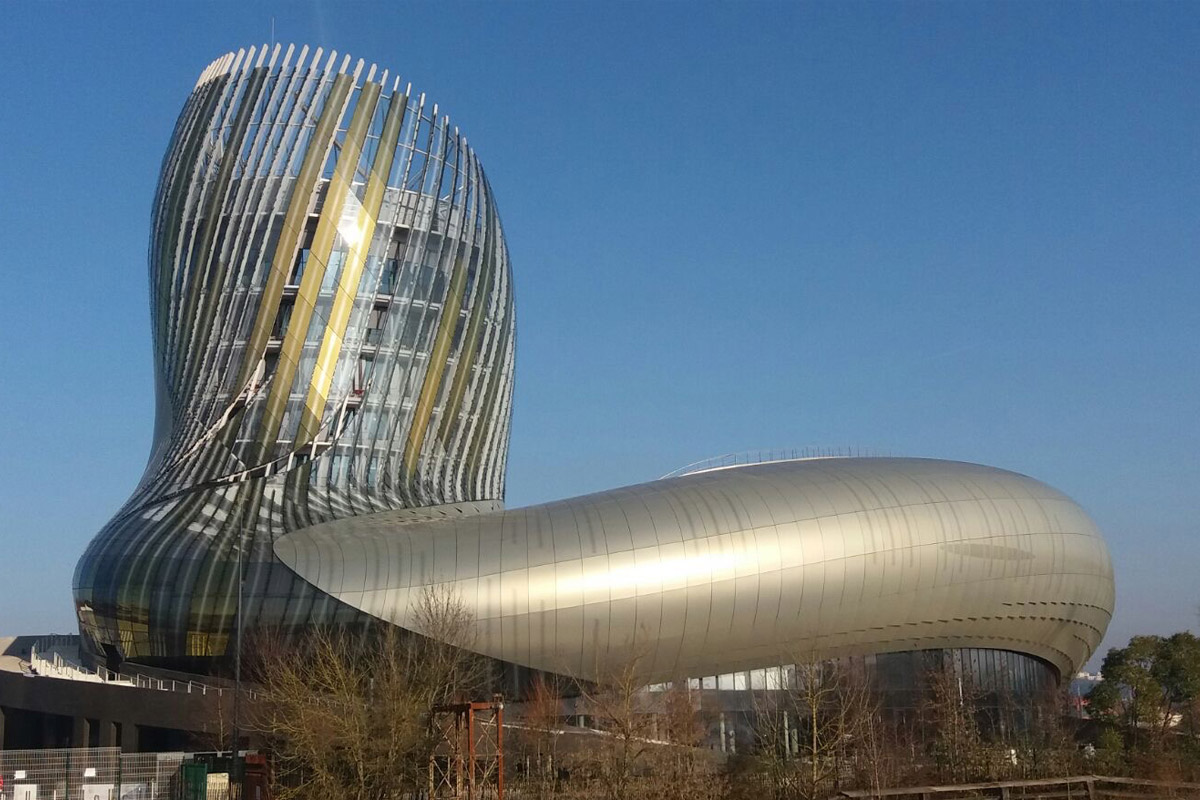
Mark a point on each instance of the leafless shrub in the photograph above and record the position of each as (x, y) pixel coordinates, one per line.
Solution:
(536, 740)
(648, 743)
(820, 732)
(346, 715)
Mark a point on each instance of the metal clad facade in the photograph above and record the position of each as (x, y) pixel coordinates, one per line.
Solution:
(740, 568)
(314, 232)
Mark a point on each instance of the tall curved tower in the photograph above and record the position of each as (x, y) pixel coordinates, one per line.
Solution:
(333, 329)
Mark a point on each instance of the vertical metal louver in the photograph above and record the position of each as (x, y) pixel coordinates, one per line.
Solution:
(333, 328)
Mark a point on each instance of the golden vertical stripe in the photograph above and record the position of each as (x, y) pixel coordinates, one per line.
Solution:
(340, 187)
(343, 303)
(437, 365)
(292, 232)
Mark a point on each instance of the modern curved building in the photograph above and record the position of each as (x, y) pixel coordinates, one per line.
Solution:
(333, 324)
(333, 335)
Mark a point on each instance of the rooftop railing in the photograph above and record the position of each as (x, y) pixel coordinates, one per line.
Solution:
(765, 456)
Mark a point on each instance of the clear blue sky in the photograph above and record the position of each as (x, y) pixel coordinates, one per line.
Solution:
(966, 231)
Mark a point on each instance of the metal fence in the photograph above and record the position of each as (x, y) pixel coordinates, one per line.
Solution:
(98, 773)
(1077, 787)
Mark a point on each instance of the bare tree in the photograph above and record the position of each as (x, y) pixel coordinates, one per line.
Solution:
(347, 715)
(649, 740)
(957, 744)
(836, 702)
(879, 746)
(680, 769)
(537, 740)
(620, 710)
(776, 743)
(821, 732)
(1048, 746)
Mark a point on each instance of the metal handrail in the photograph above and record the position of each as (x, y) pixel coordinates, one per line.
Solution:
(63, 669)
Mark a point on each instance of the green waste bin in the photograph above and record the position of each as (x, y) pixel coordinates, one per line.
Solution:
(195, 781)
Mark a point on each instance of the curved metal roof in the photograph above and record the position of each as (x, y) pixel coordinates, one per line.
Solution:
(745, 567)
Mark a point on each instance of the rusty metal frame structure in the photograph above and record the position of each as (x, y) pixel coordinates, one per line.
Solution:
(467, 760)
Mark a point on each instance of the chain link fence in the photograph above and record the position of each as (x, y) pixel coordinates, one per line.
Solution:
(98, 773)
